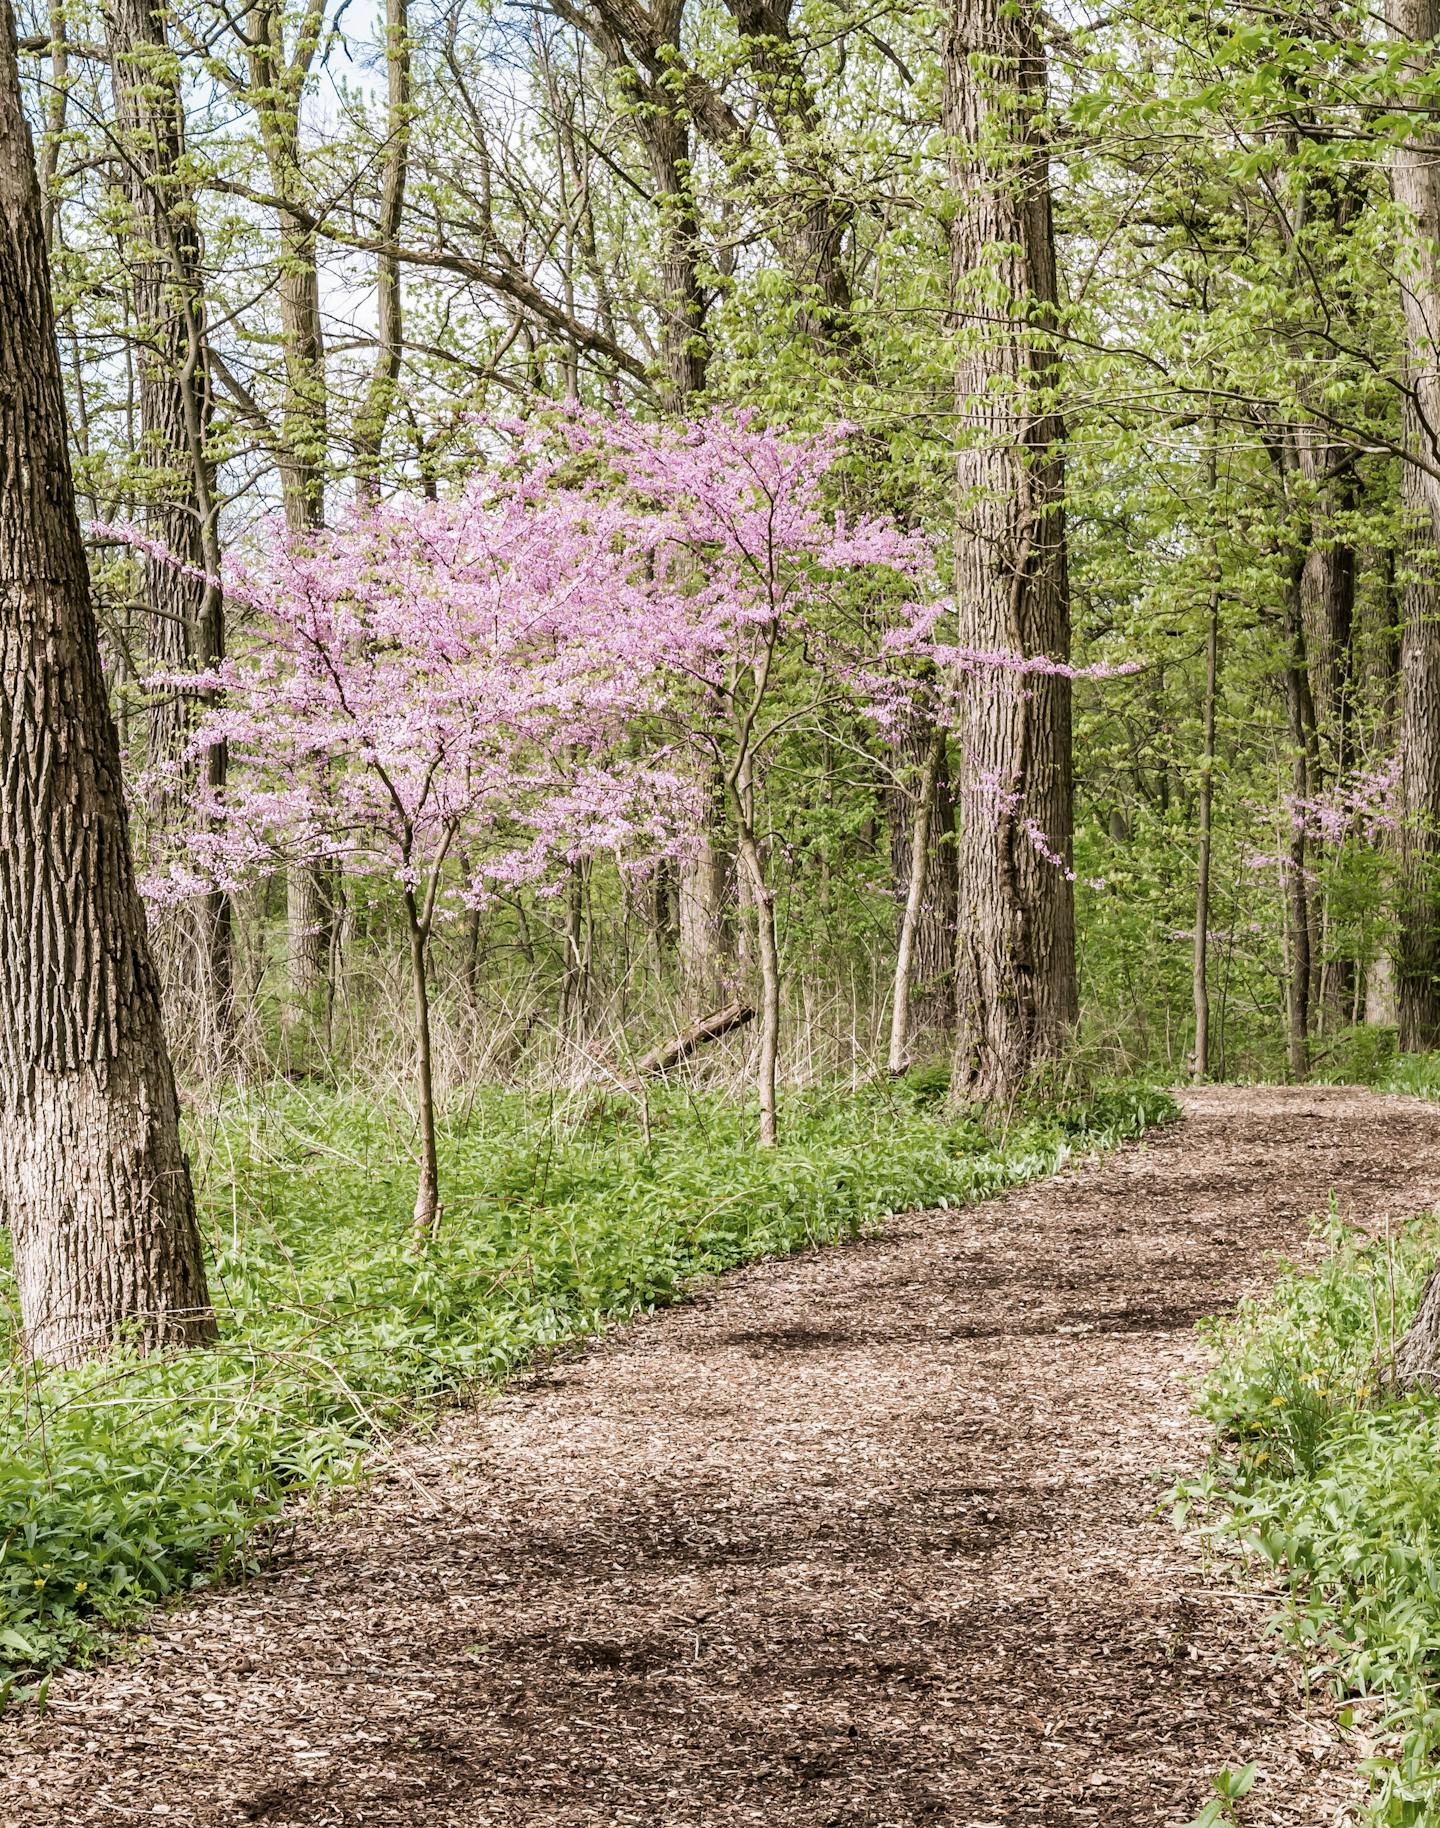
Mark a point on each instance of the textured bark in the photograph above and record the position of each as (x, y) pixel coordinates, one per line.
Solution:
(375, 410)
(1415, 179)
(813, 219)
(1327, 615)
(817, 216)
(707, 895)
(1016, 997)
(1417, 951)
(1300, 722)
(1200, 987)
(94, 1184)
(277, 82)
(1416, 1362)
(185, 604)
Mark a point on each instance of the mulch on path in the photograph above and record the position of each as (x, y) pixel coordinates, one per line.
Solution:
(864, 1537)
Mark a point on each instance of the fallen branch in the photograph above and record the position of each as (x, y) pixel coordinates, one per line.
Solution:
(708, 1028)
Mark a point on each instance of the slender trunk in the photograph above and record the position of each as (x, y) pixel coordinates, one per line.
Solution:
(1016, 995)
(56, 109)
(741, 784)
(1201, 1067)
(93, 1179)
(910, 922)
(1327, 609)
(932, 967)
(427, 1189)
(1300, 720)
(575, 983)
(375, 410)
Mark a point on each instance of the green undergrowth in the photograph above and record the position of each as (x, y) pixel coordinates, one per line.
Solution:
(1331, 1487)
(135, 1479)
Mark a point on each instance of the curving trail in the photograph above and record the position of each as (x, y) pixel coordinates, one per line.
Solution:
(858, 1538)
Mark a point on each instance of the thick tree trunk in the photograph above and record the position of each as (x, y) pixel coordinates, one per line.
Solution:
(1416, 1363)
(1415, 179)
(277, 82)
(816, 213)
(1417, 951)
(184, 599)
(662, 122)
(706, 936)
(1016, 998)
(94, 1185)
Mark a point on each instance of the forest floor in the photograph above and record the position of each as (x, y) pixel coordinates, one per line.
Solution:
(862, 1537)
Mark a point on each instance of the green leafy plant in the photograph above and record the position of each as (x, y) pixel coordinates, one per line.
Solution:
(133, 1479)
(1329, 1486)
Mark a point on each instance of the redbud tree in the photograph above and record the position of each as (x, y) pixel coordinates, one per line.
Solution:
(477, 672)
(528, 675)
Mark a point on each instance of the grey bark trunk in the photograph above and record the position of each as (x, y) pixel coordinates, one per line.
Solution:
(930, 1016)
(1200, 1065)
(375, 410)
(1016, 997)
(1415, 180)
(919, 917)
(94, 1185)
(184, 598)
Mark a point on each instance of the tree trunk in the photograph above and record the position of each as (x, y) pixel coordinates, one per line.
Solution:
(277, 82)
(930, 968)
(1416, 1361)
(1415, 180)
(1200, 1067)
(1327, 615)
(767, 944)
(1417, 950)
(706, 939)
(920, 902)
(1300, 721)
(93, 1180)
(184, 598)
(375, 410)
(426, 1220)
(1016, 997)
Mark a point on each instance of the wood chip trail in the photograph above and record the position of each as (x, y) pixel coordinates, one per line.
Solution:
(858, 1539)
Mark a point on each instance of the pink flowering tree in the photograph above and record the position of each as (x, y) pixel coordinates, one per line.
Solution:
(432, 677)
(775, 605)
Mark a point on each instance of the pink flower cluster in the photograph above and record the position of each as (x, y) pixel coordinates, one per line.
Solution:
(506, 677)
(1365, 805)
(494, 686)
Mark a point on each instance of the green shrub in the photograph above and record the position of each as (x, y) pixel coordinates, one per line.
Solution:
(1335, 1487)
(129, 1480)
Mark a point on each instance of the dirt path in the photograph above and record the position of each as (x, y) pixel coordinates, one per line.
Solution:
(863, 1537)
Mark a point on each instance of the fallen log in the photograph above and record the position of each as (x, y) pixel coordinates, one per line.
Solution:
(708, 1028)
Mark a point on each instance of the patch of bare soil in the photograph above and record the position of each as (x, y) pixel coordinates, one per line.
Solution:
(866, 1537)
